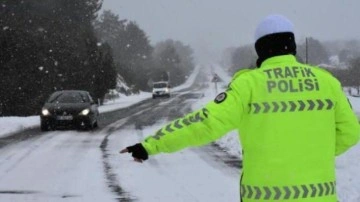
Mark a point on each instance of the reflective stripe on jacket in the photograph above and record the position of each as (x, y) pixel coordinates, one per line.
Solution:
(293, 119)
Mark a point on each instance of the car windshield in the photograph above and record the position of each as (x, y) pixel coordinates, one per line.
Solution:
(68, 97)
(160, 85)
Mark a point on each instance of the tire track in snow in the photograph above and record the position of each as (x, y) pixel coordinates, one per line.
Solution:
(110, 175)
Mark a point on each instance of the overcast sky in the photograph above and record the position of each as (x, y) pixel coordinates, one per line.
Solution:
(210, 26)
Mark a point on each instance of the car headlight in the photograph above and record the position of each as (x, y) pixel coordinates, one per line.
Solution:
(45, 112)
(167, 90)
(85, 112)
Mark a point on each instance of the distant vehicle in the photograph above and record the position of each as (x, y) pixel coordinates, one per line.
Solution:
(69, 108)
(161, 89)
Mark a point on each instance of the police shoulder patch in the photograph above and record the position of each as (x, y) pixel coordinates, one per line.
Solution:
(220, 98)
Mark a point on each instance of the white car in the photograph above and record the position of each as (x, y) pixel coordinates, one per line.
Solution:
(161, 89)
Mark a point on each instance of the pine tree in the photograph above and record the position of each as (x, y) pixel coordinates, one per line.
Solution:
(174, 58)
(48, 45)
(131, 48)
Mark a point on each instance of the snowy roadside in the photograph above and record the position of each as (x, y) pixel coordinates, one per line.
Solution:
(347, 167)
(13, 124)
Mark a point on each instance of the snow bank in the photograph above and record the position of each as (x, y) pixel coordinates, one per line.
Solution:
(9, 125)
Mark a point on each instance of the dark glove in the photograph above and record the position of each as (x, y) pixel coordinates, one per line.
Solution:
(138, 151)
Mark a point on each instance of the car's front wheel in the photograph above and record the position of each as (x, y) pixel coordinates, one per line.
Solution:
(44, 126)
(88, 126)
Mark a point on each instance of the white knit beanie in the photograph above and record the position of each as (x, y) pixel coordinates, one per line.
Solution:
(273, 24)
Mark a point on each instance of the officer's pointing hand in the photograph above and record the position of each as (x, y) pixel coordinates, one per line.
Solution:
(138, 152)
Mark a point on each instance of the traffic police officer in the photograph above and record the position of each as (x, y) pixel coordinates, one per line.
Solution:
(293, 119)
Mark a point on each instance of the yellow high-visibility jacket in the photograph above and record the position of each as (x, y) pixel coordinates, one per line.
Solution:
(293, 119)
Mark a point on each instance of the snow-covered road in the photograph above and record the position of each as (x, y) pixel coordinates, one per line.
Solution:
(58, 165)
(183, 176)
